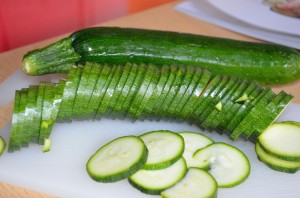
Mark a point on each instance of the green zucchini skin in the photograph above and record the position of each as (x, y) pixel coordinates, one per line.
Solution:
(266, 63)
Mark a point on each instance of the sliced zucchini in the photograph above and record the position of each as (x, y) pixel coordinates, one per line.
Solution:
(110, 92)
(197, 183)
(148, 93)
(67, 96)
(134, 88)
(165, 148)
(107, 90)
(282, 140)
(267, 117)
(244, 98)
(81, 93)
(160, 102)
(164, 76)
(275, 163)
(46, 121)
(115, 105)
(2, 145)
(243, 108)
(195, 88)
(125, 91)
(117, 159)
(30, 112)
(138, 98)
(92, 80)
(229, 108)
(39, 110)
(100, 89)
(208, 105)
(22, 132)
(219, 100)
(155, 181)
(219, 106)
(213, 102)
(183, 87)
(66, 109)
(205, 98)
(193, 141)
(178, 81)
(227, 164)
(246, 125)
(14, 123)
(47, 145)
(59, 90)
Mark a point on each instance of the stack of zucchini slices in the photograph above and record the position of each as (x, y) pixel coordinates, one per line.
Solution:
(181, 93)
(278, 147)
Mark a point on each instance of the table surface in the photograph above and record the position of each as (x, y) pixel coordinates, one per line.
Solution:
(162, 18)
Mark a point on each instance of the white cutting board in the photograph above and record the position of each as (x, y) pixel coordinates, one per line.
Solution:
(61, 172)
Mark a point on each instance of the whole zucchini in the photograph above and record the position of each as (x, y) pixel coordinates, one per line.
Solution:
(266, 63)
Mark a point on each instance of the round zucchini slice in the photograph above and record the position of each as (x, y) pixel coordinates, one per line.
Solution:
(117, 159)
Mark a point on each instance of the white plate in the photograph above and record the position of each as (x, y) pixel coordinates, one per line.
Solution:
(204, 11)
(255, 12)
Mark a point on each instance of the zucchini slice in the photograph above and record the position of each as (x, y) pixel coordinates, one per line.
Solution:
(161, 101)
(117, 159)
(252, 89)
(155, 181)
(134, 88)
(219, 101)
(39, 110)
(82, 92)
(110, 92)
(47, 145)
(14, 123)
(229, 108)
(115, 105)
(59, 90)
(66, 109)
(205, 98)
(137, 101)
(165, 148)
(164, 76)
(227, 164)
(100, 88)
(155, 78)
(22, 131)
(282, 140)
(274, 162)
(133, 70)
(177, 82)
(192, 142)
(46, 121)
(182, 88)
(197, 183)
(2, 145)
(194, 89)
(30, 112)
(269, 115)
(208, 104)
(92, 81)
